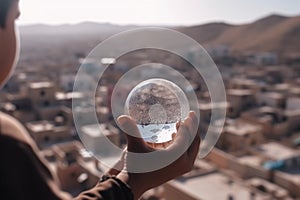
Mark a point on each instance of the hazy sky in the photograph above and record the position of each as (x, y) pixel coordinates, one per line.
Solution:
(152, 12)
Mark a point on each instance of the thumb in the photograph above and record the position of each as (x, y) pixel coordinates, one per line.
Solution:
(135, 142)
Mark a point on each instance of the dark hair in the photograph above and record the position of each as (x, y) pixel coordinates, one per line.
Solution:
(4, 7)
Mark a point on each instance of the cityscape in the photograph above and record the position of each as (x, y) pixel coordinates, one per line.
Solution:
(257, 156)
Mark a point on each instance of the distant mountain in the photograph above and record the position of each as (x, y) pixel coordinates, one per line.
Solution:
(274, 33)
(84, 28)
(206, 33)
(62, 42)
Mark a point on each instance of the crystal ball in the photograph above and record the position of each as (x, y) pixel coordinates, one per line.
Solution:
(157, 105)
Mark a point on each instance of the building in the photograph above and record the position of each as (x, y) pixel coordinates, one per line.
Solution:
(75, 172)
(275, 122)
(46, 133)
(239, 135)
(206, 183)
(240, 100)
(272, 99)
(269, 188)
(42, 94)
(99, 137)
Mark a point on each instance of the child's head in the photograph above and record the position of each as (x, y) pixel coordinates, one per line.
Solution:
(9, 12)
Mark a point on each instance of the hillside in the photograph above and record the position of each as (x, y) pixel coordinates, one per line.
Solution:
(274, 33)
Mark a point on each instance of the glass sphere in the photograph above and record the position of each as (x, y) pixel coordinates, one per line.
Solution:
(157, 105)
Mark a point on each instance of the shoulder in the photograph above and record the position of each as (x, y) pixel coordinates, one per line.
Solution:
(13, 128)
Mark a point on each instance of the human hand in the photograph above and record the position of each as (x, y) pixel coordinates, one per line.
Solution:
(143, 181)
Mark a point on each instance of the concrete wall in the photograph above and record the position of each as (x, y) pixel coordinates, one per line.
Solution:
(266, 99)
(227, 161)
(171, 193)
(42, 96)
(293, 104)
(285, 182)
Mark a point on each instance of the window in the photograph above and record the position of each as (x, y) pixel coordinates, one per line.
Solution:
(253, 142)
(42, 93)
(46, 138)
(262, 188)
(46, 103)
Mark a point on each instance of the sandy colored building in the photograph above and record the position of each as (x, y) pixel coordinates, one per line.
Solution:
(238, 135)
(74, 174)
(246, 165)
(205, 183)
(244, 83)
(42, 93)
(275, 122)
(46, 133)
(269, 188)
(240, 100)
(272, 99)
(99, 137)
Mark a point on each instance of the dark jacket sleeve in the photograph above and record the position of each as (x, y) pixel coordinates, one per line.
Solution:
(22, 174)
(109, 189)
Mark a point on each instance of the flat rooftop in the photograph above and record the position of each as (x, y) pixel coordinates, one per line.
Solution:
(239, 92)
(214, 186)
(276, 151)
(209, 106)
(108, 61)
(244, 81)
(38, 85)
(69, 95)
(241, 128)
(40, 126)
(97, 130)
(274, 95)
(251, 160)
(282, 86)
(292, 174)
(270, 187)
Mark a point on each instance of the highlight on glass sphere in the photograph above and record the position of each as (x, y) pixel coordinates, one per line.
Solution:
(157, 105)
